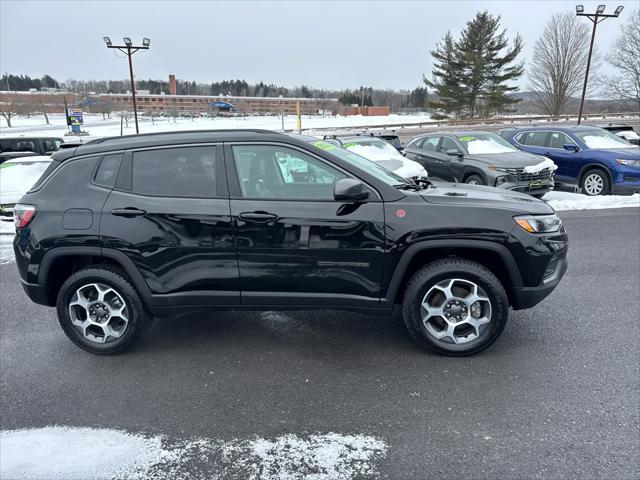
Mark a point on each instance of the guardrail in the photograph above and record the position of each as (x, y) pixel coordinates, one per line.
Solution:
(478, 121)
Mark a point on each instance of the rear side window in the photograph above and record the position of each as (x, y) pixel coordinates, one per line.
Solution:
(536, 139)
(17, 146)
(175, 172)
(108, 170)
(431, 144)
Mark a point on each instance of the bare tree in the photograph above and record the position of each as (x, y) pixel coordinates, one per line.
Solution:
(8, 110)
(625, 58)
(559, 62)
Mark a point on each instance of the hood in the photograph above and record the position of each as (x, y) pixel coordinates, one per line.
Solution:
(632, 153)
(508, 159)
(404, 167)
(461, 194)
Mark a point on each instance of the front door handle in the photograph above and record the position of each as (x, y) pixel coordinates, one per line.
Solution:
(128, 212)
(258, 216)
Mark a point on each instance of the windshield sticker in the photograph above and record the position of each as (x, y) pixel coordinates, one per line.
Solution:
(347, 145)
(324, 145)
(7, 165)
(466, 139)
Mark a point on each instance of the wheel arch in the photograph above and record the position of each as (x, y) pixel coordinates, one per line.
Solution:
(595, 166)
(494, 256)
(58, 264)
(472, 170)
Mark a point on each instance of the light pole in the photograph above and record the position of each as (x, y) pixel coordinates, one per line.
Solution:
(595, 18)
(128, 49)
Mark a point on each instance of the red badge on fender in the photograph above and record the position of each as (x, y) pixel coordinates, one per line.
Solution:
(400, 213)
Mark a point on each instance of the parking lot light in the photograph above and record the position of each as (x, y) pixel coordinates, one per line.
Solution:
(129, 49)
(595, 18)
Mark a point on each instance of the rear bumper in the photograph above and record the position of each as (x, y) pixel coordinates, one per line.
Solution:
(527, 297)
(36, 292)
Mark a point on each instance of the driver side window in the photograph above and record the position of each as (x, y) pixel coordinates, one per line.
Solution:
(275, 172)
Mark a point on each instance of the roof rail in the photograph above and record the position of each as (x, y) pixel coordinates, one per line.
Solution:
(180, 132)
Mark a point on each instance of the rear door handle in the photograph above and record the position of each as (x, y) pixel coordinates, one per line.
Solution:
(129, 212)
(258, 216)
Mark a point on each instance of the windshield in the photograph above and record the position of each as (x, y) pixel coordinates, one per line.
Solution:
(362, 163)
(16, 178)
(485, 144)
(601, 139)
(372, 148)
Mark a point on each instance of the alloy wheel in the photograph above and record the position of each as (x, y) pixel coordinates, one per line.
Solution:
(456, 311)
(593, 184)
(99, 313)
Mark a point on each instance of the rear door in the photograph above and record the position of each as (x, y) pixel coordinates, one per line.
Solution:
(296, 244)
(427, 156)
(169, 213)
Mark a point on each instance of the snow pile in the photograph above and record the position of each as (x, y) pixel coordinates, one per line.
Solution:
(575, 201)
(95, 454)
(601, 142)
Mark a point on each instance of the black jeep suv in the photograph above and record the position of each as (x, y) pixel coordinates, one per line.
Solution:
(122, 229)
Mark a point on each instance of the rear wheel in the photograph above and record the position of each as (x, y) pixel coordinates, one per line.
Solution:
(595, 182)
(100, 310)
(474, 180)
(455, 306)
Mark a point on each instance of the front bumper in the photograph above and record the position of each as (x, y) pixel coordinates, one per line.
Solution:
(530, 188)
(527, 297)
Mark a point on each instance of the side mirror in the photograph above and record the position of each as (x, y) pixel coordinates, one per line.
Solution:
(454, 152)
(349, 190)
(572, 147)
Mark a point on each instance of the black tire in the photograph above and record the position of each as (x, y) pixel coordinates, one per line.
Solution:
(474, 179)
(430, 275)
(595, 173)
(138, 316)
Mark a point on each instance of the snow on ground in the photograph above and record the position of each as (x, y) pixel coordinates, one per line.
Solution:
(95, 454)
(574, 201)
(97, 127)
(7, 231)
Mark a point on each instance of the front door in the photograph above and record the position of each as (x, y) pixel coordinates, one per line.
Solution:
(169, 213)
(296, 244)
(427, 155)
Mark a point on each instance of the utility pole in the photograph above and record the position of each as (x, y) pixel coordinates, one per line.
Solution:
(129, 49)
(595, 18)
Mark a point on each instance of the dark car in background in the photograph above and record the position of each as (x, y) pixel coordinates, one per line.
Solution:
(598, 161)
(15, 147)
(625, 131)
(481, 158)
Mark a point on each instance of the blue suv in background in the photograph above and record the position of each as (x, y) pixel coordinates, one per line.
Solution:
(598, 161)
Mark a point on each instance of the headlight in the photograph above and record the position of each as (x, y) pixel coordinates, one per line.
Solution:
(539, 223)
(628, 163)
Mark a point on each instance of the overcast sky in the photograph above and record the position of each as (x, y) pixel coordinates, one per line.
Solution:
(322, 44)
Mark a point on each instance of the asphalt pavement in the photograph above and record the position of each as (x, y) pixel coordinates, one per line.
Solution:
(557, 396)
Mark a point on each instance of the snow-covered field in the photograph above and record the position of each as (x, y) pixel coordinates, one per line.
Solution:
(97, 127)
(95, 454)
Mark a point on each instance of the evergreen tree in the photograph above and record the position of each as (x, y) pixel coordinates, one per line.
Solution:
(488, 66)
(446, 76)
(472, 76)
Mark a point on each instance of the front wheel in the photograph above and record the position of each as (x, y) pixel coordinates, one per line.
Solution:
(595, 182)
(100, 310)
(474, 180)
(454, 306)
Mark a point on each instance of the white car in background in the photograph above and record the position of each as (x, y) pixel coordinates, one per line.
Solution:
(381, 152)
(17, 176)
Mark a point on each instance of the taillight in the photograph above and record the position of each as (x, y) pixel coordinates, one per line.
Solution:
(23, 214)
